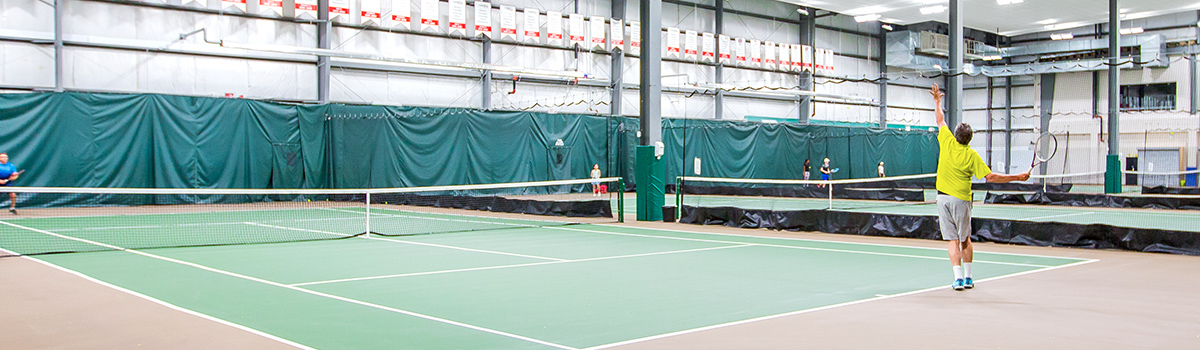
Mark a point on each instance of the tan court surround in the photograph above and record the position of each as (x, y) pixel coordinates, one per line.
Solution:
(1126, 300)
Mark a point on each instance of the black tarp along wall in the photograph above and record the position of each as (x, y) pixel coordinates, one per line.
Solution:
(740, 149)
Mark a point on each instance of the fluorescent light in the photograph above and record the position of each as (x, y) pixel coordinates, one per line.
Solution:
(1009, 2)
(887, 27)
(993, 58)
(1063, 36)
(932, 10)
(1134, 30)
(1047, 21)
(802, 11)
(867, 18)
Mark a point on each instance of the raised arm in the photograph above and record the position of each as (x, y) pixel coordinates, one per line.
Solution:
(938, 95)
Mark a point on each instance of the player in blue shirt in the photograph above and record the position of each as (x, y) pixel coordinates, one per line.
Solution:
(8, 174)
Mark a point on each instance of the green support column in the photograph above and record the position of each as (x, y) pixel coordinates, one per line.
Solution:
(1112, 174)
(651, 184)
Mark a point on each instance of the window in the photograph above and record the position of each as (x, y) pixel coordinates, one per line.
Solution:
(1148, 97)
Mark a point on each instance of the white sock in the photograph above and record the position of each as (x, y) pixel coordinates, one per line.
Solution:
(967, 270)
(958, 272)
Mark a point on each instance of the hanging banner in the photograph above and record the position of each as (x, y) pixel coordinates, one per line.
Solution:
(239, 5)
(739, 49)
(769, 55)
(508, 23)
(533, 26)
(635, 37)
(785, 57)
(818, 60)
(723, 49)
(598, 31)
(458, 17)
(339, 10)
(576, 30)
(306, 8)
(554, 29)
(806, 54)
(430, 15)
(401, 14)
(197, 3)
(829, 59)
(616, 34)
(797, 57)
(690, 49)
(483, 19)
(708, 47)
(755, 53)
(369, 13)
(271, 7)
(673, 42)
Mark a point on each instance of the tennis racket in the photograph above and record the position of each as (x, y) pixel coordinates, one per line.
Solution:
(1043, 149)
(835, 170)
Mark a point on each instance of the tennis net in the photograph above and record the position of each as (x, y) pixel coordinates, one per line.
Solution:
(67, 220)
(791, 195)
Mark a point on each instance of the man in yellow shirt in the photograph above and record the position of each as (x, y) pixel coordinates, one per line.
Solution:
(957, 163)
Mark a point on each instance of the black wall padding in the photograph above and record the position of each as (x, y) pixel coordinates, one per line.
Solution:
(926, 227)
(594, 209)
(1094, 200)
(1170, 190)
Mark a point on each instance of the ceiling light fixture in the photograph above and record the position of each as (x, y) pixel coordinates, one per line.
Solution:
(932, 10)
(1131, 31)
(1063, 36)
(867, 18)
(887, 26)
(1009, 2)
(802, 11)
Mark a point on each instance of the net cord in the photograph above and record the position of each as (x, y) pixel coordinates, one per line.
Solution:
(315, 191)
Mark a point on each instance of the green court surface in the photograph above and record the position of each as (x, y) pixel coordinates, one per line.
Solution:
(571, 287)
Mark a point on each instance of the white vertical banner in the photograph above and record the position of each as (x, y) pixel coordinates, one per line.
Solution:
(402, 14)
(690, 46)
(239, 5)
(554, 28)
(533, 26)
(797, 57)
(430, 15)
(483, 19)
(818, 60)
(829, 60)
(723, 48)
(339, 10)
(369, 13)
(508, 23)
(457, 17)
(200, 3)
(769, 55)
(576, 30)
(739, 49)
(806, 54)
(755, 53)
(785, 57)
(708, 47)
(274, 7)
(673, 42)
(306, 8)
(635, 37)
(616, 33)
(598, 30)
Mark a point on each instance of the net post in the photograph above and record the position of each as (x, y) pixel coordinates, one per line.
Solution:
(368, 221)
(678, 196)
(830, 195)
(621, 200)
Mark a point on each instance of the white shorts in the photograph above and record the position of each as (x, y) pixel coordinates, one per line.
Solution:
(954, 218)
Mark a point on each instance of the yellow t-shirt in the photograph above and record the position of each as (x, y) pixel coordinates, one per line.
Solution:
(956, 164)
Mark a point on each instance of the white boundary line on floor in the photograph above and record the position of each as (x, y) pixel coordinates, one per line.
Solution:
(855, 302)
(163, 303)
(316, 293)
(1059, 216)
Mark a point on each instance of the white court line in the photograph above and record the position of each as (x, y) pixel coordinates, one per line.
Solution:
(766, 245)
(410, 242)
(877, 298)
(1059, 216)
(316, 293)
(518, 265)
